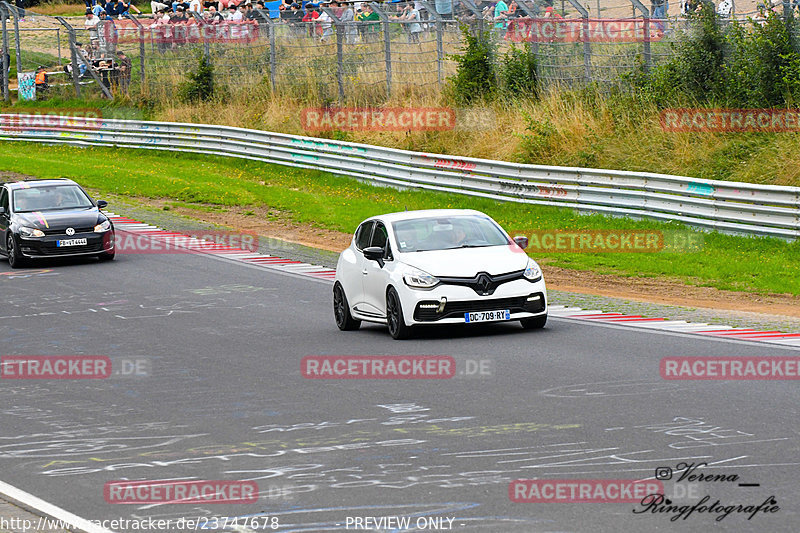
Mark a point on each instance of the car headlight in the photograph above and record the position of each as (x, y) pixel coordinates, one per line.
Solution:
(419, 279)
(30, 232)
(532, 271)
(104, 226)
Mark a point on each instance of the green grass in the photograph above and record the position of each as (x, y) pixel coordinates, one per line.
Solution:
(727, 262)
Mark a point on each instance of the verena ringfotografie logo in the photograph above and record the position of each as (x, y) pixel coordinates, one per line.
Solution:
(730, 368)
(378, 367)
(582, 490)
(730, 120)
(194, 492)
(130, 242)
(378, 119)
(55, 367)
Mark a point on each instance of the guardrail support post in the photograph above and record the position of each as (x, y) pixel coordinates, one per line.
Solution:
(73, 55)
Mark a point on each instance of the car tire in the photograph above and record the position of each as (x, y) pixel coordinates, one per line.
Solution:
(394, 316)
(14, 259)
(341, 310)
(536, 322)
(107, 256)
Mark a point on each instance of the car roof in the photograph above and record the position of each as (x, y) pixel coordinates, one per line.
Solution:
(426, 213)
(32, 184)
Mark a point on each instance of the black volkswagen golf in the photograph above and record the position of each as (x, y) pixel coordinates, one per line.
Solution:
(52, 218)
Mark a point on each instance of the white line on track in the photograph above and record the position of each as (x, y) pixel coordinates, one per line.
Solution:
(29, 501)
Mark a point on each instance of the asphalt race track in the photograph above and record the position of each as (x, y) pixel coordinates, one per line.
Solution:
(220, 396)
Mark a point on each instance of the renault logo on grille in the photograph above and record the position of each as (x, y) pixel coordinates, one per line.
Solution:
(70, 231)
(483, 283)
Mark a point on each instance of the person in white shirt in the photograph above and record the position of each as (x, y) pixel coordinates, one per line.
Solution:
(196, 6)
(90, 24)
(239, 14)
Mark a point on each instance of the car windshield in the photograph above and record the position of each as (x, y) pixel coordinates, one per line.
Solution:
(447, 233)
(50, 198)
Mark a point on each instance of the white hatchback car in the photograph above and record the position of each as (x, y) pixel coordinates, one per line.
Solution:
(443, 266)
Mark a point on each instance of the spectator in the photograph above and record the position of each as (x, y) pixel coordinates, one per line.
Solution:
(21, 8)
(156, 7)
(124, 8)
(98, 9)
(312, 29)
(182, 4)
(110, 8)
(369, 20)
(659, 8)
(214, 17)
(41, 80)
(125, 69)
(326, 26)
(500, 15)
(410, 14)
(350, 30)
(196, 6)
(208, 4)
(238, 16)
(90, 24)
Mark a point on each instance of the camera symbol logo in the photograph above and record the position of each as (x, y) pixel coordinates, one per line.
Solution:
(663, 473)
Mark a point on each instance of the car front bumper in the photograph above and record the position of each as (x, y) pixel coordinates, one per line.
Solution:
(43, 247)
(522, 298)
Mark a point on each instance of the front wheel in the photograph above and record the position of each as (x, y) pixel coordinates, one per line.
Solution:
(341, 310)
(15, 260)
(394, 317)
(536, 322)
(107, 256)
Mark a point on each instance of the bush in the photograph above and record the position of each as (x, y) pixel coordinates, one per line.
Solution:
(476, 77)
(763, 66)
(519, 74)
(200, 84)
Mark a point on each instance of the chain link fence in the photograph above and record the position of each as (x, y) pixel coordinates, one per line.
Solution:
(361, 52)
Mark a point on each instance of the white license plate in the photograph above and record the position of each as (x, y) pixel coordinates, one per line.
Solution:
(71, 242)
(487, 316)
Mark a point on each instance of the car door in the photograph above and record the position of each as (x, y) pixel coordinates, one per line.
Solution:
(352, 281)
(375, 277)
(5, 217)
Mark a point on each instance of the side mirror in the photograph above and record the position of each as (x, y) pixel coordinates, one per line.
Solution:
(102, 204)
(521, 241)
(374, 253)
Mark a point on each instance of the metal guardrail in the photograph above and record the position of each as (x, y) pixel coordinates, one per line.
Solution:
(730, 207)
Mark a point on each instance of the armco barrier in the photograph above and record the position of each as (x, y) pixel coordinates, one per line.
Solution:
(716, 205)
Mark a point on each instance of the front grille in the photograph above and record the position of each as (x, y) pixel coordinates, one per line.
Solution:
(63, 231)
(517, 304)
(483, 283)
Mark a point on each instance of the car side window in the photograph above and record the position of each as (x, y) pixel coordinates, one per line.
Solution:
(380, 238)
(363, 234)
